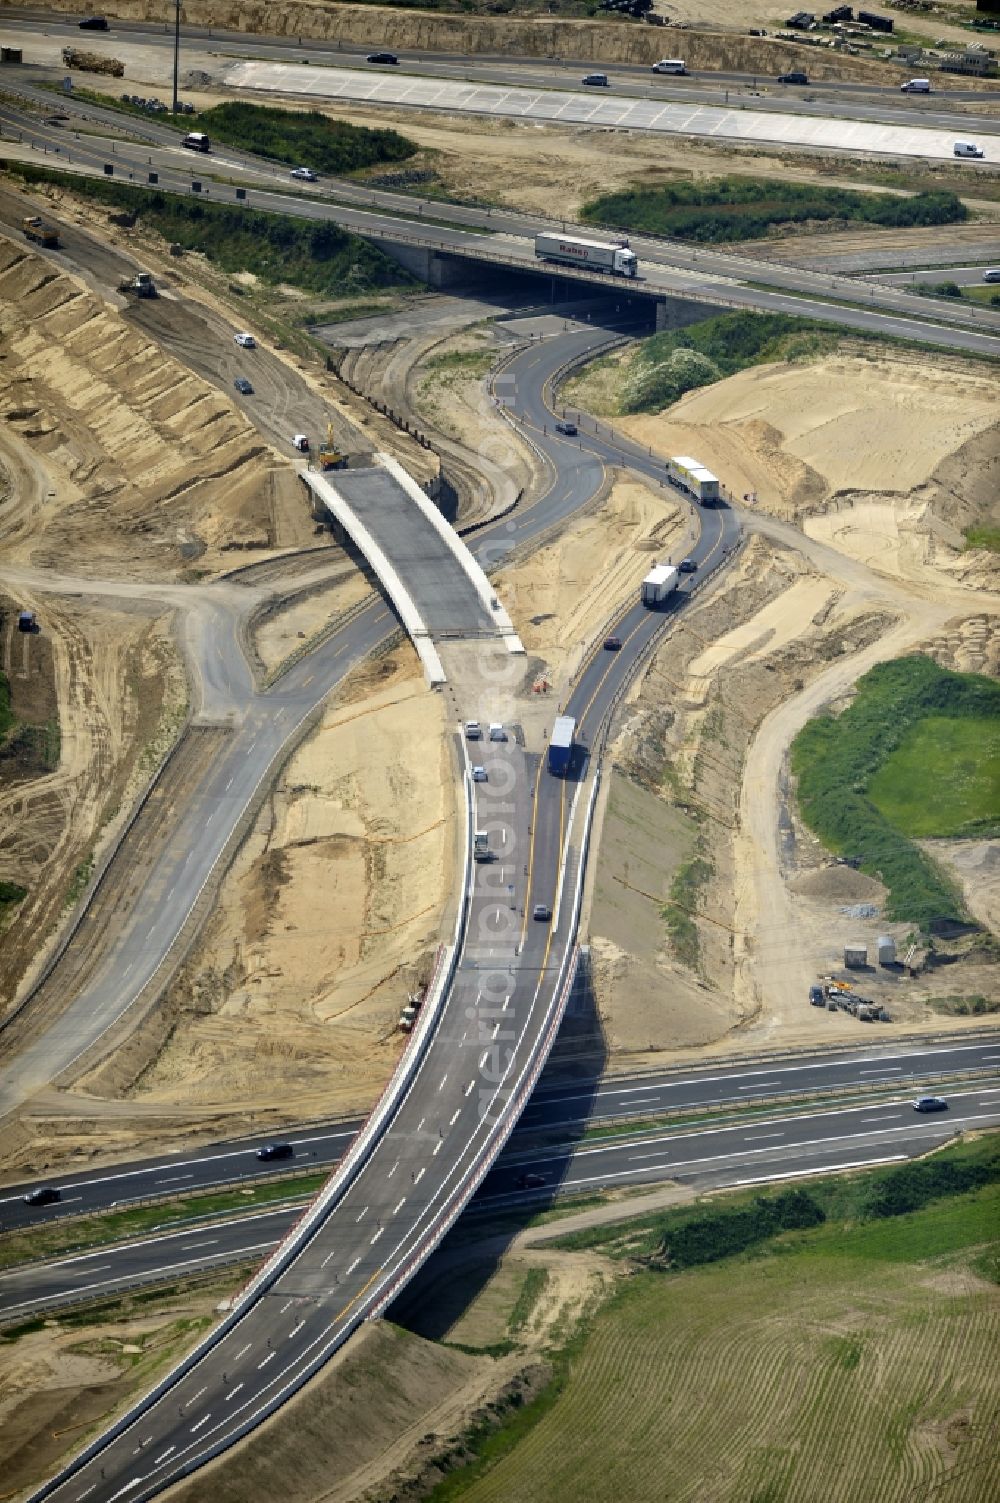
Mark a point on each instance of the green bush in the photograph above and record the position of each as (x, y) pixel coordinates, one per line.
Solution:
(912, 1186)
(276, 248)
(11, 893)
(303, 138)
(648, 388)
(983, 537)
(727, 1231)
(715, 210)
(834, 757)
(667, 365)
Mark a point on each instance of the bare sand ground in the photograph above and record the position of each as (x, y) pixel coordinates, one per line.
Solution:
(132, 464)
(563, 595)
(117, 698)
(328, 918)
(877, 573)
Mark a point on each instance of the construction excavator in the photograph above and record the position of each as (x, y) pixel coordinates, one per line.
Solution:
(330, 457)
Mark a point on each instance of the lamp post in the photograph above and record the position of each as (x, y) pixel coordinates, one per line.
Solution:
(177, 49)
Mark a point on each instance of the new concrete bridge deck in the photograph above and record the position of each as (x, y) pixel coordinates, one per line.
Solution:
(446, 595)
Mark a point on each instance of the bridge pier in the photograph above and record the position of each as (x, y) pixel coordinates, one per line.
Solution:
(678, 312)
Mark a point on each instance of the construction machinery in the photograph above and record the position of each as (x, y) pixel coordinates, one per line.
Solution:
(41, 232)
(92, 62)
(330, 457)
(141, 285)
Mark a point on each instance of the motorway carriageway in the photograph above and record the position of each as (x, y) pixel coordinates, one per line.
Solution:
(763, 1149)
(723, 277)
(845, 98)
(553, 1107)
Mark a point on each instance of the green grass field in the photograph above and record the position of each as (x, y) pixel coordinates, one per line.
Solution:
(855, 1360)
(901, 743)
(945, 776)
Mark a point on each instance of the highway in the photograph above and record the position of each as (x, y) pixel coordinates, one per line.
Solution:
(147, 52)
(471, 1078)
(555, 1107)
(764, 1146)
(729, 278)
(667, 269)
(471, 1075)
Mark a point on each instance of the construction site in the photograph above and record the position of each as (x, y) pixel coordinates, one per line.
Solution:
(168, 586)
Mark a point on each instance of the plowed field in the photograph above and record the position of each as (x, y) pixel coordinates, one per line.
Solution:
(836, 1371)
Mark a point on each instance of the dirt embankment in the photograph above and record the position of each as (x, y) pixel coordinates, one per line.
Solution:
(97, 695)
(136, 465)
(589, 41)
(327, 919)
(713, 904)
(878, 454)
(668, 831)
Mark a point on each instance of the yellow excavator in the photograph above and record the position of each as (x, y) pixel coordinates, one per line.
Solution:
(330, 457)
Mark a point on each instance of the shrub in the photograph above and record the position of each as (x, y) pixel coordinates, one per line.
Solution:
(721, 1233)
(714, 210)
(648, 388)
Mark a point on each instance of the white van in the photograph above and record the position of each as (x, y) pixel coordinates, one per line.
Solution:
(669, 65)
(916, 86)
(968, 149)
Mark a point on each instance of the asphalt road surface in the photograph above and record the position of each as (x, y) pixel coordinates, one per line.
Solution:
(667, 268)
(766, 1147)
(964, 276)
(554, 1106)
(139, 43)
(496, 1026)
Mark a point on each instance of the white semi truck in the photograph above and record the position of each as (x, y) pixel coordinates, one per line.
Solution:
(691, 476)
(595, 255)
(660, 582)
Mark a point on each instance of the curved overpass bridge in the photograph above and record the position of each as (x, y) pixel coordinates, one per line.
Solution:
(483, 1037)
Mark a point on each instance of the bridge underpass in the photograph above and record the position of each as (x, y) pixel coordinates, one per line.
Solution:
(649, 308)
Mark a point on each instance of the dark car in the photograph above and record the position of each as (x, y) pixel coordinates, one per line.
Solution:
(687, 565)
(930, 1104)
(595, 80)
(569, 429)
(529, 1181)
(612, 644)
(94, 23)
(795, 78)
(276, 1151)
(45, 1195)
(381, 57)
(243, 386)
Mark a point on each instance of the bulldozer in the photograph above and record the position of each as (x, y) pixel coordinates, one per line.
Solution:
(330, 457)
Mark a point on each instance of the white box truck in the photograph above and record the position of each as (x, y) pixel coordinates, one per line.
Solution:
(691, 476)
(660, 582)
(595, 255)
